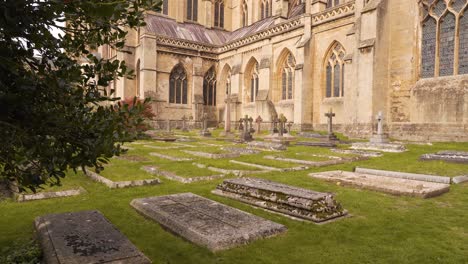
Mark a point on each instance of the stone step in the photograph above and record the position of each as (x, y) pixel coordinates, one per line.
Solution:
(206, 222)
(404, 175)
(84, 237)
(292, 201)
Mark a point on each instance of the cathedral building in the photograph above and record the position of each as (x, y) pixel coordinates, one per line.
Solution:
(301, 58)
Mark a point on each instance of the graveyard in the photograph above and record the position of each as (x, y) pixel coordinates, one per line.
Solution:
(239, 196)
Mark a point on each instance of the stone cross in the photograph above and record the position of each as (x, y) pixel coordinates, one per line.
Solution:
(168, 125)
(245, 121)
(227, 118)
(258, 121)
(274, 124)
(184, 124)
(205, 121)
(290, 124)
(282, 121)
(330, 116)
(380, 123)
(252, 130)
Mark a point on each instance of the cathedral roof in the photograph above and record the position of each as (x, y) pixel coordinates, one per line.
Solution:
(168, 27)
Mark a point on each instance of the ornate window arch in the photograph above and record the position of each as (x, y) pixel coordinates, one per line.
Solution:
(178, 85)
(209, 88)
(192, 10)
(334, 71)
(265, 8)
(252, 80)
(219, 13)
(287, 68)
(245, 14)
(443, 51)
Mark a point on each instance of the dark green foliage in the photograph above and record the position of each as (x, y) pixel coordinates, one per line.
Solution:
(54, 113)
(24, 253)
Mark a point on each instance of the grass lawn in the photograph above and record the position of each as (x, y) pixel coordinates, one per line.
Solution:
(383, 228)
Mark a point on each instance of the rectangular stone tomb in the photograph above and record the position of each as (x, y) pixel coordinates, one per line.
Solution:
(450, 156)
(391, 185)
(267, 145)
(84, 237)
(213, 156)
(206, 222)
(385, 147)
(334, 161)
(293, 201)
(316, 144)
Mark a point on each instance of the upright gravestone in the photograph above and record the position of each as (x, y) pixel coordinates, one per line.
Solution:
(331, 136)
(258, 121)
(241, 126)
(380, 137)
(204, 132)
(168, 125)
(282, 122)
(246, 134)
(184, 124)
(252, 130)
(290, 124)
(274, 124)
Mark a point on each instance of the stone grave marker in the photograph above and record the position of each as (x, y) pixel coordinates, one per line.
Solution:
(290, 124)
(184, 124)
(390, 185)
(292, 201)
(206, 222)
(331, 136)
(84, 237)
(274, 124)
(258, 121)
(380, 137)
(168, 125)
(246, 134)
(241, 125)
(449, 156)
(204, 132)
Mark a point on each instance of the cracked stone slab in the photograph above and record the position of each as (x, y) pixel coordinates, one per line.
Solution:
(84, 237)
(390, 185)
(290, 200)
(205, 222)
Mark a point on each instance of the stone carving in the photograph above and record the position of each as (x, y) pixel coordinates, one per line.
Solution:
(380, 137)
(246, 134)
(258, 121)
(206, 222)
(331, 136)
(297, 202)
(204, 132)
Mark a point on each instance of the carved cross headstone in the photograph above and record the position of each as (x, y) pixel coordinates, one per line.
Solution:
(184, 124)
(205, 131)
(290, 124)
(330, 116)
(258, 121)
(274, 124)
(282, 121)
(252, 130)
(246, 135)
(380, 123)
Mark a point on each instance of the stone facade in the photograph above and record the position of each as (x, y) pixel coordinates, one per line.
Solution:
(407, 58)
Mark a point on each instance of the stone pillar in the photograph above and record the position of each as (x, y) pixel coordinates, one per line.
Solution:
(148, 64)
(207, 15)
(318, 6)
(197, 88)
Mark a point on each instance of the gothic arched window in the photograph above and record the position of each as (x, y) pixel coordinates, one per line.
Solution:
(245, 14)
(332, 3)
(178, 85)
(192, 10)
(219, 13)
(265, 9)
(287, 77)
(209, 88)
(443, 51)
(334, 76)
(252, 81)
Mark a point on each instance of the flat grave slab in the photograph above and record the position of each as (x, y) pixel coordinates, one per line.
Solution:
(315, 163)
(268, 168)
(120, 184)
(238, 173)
(211, 155)
(241, 151)
(267, 146)
(132, 158)
(84, 237)
(206, 222)
(324, 144)
(449, 156)
(405, 175)
(172, 176)
(390, 185)
(460, 179)
(311, 135)
(385, 147)
(162, 156)
(292, 201)
(370, 154)
(49, 195)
